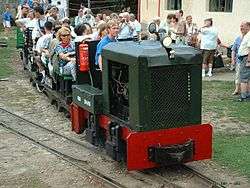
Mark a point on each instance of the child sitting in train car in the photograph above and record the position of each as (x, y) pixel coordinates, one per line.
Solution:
(64, 50)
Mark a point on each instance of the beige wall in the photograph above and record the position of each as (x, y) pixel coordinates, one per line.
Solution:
(227, 23)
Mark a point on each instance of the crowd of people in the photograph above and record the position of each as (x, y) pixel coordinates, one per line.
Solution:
(48, 21)
(54, 34)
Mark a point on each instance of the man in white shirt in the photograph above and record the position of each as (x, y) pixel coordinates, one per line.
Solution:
(28, 22)
(135, 25)
(244, 60)
(22, 11)
(209, 42)
(191, 31)
(40, 21)
(80, 18)
(126, 29)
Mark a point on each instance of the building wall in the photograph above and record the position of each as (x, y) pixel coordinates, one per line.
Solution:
(227, 22)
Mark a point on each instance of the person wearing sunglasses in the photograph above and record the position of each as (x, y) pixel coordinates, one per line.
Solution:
(64, 50)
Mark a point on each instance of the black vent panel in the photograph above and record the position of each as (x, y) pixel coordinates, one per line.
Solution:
(170, 96)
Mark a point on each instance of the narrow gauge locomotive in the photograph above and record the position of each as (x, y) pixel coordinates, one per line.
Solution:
(145, 105)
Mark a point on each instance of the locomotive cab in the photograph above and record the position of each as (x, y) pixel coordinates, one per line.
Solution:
(148, 112)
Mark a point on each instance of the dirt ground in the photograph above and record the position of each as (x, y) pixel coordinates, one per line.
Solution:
(23, 164)
(26, 165)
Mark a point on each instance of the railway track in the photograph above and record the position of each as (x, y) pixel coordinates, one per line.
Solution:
(80, 164)
(206, 181)
(21, 126)
(106, 181)
(192, 178)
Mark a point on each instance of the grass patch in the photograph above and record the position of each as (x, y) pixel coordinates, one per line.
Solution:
(217, 98)
(7, 54)
(233, 151)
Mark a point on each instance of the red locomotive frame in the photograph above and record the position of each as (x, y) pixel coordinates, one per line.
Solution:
(138, 143)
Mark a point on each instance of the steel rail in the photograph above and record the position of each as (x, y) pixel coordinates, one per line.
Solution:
(164, 180)
(213, 183)
(51, 131)
(136, 175)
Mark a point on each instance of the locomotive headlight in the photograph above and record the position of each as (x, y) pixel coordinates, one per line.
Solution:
(167, 41)
(152, 28)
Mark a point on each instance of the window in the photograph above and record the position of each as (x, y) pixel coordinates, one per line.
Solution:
(173, 4)
(220, 5)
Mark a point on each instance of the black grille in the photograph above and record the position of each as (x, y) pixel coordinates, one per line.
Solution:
(170, 96)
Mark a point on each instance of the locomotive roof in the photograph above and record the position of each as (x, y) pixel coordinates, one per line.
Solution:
(130, 52)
